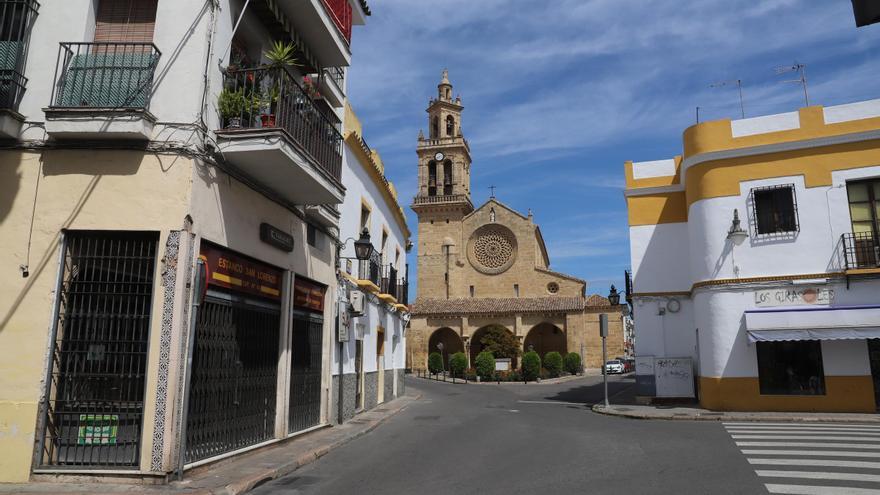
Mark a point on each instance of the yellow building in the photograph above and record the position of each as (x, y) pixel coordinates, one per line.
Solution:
(755, 254)
(489, 265)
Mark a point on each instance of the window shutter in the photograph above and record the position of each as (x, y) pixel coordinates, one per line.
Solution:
(125, 21)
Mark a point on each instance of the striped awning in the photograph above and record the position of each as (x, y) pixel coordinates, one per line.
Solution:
(283, 21)
(821, 323)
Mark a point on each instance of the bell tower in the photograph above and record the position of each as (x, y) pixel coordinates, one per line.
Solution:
(444, 156)
(444, 196)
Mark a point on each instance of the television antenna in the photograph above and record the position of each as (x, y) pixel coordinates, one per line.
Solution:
(801, 70)
(739, 86)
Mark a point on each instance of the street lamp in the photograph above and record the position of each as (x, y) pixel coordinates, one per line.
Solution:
(363, 248)
(440, 347)
(614, 299)
(614, 296)
(736, 232)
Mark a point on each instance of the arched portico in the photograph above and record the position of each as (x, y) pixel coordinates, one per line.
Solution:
(476, 344)
(545, 337)
(451, 343)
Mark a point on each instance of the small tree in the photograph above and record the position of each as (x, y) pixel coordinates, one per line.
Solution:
(573, 363)
(553, 364)
(485, 365)
(531, 365)
(457, 364)
(500, 342)
(435, 362)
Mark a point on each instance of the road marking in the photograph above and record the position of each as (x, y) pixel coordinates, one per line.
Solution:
(817, 434)
(814, 462)
(813, 453)
(819, 490)
(804, 428)
(814, 475)
(748, 423)
(555, 402)
(802, 437)
(810, 444)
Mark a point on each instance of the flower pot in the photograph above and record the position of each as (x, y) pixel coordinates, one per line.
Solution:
(267, 120)
(233, 123)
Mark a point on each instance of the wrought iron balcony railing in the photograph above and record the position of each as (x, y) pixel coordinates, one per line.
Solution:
(403, 291)
(861, 250)
(271, 98)
(340, 12)
(371, 269)
(16, 18)
(389, 281)
(105, 75)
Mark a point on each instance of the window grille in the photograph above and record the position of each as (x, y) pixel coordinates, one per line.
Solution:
(774, 210)
(16, 19)
(94, 414)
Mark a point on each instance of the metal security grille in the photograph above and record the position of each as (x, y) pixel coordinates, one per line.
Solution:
(305, 375)
(234, 378)
(16, 20)
(99, 359)
(774, 210)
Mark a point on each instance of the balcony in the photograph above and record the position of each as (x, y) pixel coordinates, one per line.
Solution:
(102, 91)
(370, 273)
(330, 85)
(275, 133)
(340, 12)
(439, 200)
(403, 291)
(317, 23)
(388, 286)
(861, 252)
(16, 18)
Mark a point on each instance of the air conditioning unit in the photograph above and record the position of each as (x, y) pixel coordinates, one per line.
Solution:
(357, 302)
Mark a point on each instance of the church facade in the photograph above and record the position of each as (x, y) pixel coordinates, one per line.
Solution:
(489, 265)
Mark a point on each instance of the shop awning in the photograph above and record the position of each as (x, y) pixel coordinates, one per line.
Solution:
(823, 323)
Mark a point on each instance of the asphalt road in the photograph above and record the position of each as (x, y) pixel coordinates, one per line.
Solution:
(530, 439)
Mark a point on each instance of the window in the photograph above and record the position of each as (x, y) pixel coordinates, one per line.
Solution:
(450, 125)
(472, 291)
(365, 218)
(432, 178)
(774, 209)
(16, 17)
(516, 290)
(313, 236)
(435, 127)
(447, 177)
(864, 206)
(791, 368)
(384, 246)
(125, 20)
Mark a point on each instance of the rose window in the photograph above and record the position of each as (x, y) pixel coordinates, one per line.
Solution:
(492, 249)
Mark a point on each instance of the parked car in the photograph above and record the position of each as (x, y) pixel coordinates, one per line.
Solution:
(614, 366)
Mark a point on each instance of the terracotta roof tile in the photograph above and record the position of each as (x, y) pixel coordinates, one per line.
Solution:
(505, 305)
(596, 300)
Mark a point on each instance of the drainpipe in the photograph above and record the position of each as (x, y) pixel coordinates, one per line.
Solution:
(198, 294)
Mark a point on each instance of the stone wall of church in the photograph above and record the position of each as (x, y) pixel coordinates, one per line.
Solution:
(584, 334)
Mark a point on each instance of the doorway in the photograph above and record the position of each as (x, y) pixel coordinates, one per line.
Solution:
(874, 357)
(359, 375)
(380, 364)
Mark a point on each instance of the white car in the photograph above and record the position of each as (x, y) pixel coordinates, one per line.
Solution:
(614, 366)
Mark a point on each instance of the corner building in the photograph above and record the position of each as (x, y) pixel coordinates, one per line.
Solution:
(756, 252)
(489, 265)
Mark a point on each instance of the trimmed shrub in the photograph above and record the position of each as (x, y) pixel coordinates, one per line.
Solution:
(553, 364)
(573, 363)
(500, 342)
(435, 362)
(531, 366)
(457, 364)
(485, 365)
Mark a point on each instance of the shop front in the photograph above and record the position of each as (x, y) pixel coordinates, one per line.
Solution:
(306, 362)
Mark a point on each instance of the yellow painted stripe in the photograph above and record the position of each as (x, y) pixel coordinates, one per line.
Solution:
(269, 290)
(226, 278)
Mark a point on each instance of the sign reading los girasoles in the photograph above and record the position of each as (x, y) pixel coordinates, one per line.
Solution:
(237, 272)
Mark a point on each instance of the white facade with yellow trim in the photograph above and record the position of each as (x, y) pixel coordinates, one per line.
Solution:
(781, 316)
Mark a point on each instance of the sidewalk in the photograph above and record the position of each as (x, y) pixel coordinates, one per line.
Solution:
(243, 473)
(547, 381)
(697, 414)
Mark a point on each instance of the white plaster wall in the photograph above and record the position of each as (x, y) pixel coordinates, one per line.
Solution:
(726, 351)
(375, 315)
(669, 334)
(659, 255)
(852, 111)
(656, 168)
(764, 124)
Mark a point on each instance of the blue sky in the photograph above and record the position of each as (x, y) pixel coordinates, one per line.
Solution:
(558, 95)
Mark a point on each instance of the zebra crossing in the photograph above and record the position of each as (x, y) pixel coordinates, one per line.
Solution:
(812, 458)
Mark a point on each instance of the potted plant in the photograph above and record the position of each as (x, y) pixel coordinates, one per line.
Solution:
(281, 54)
(310, 87)
(267, 103)
(230, 104)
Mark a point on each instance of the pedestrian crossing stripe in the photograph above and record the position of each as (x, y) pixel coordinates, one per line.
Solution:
(811, 456)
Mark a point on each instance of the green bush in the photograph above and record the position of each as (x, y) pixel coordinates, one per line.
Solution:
(531, 366)
(500, 342)
(435, 362)
(573, 363)
(553, 363)
(457, 364)
(485, 365)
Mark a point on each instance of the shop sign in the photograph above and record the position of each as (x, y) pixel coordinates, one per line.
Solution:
(793, 296)
(236, 272)
(308, 295)
(97, 429)
(276, 237)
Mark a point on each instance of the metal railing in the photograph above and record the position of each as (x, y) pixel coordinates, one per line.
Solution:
(340, 12)
(337, 75)
(861, 250)
(371, 269)
(389, 281)
(403, 291)
(16, 18)
(104, 75)
(271, 98)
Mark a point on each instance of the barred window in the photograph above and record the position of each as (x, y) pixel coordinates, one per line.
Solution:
(774, 209)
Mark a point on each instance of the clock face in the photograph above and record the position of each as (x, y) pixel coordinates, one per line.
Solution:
(439, 156)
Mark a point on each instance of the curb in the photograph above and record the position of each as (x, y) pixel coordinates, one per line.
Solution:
(548, 381)
(253, 481)
(733, 416)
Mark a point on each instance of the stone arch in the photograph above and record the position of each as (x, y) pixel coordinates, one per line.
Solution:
(545, 337)
(451, 343)
(450, 125)
(476, 346)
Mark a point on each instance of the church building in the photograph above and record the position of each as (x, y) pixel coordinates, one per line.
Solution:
(489, 265)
